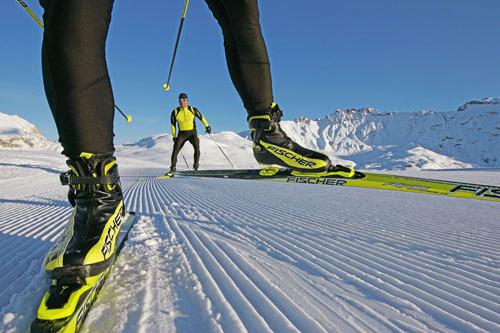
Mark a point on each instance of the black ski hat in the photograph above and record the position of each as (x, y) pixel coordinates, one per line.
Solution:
(183, 96)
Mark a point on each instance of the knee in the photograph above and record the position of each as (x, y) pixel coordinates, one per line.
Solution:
(72, 46)
(241, 19)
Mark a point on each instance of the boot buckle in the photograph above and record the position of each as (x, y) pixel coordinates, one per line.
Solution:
(67, 178)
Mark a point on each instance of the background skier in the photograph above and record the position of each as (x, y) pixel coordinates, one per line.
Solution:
(185, 116)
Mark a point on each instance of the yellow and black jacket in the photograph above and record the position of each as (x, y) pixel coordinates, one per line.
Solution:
(185, 118)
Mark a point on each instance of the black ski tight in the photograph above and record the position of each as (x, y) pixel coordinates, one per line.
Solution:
(179, 142)
(76, 76)
(246, 53)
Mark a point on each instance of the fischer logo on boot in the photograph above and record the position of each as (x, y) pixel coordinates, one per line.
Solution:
(291, 156)
(113, 230)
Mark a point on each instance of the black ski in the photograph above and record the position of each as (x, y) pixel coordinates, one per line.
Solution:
(363, 180)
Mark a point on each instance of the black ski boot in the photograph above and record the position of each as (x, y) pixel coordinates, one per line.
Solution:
(80, 260)
(196, 166)
(271, 145)
(87, 246)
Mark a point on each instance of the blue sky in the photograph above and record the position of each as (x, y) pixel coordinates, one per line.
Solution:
(390, 54)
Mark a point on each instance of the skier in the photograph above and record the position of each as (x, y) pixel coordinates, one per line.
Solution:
(184, 116)
(80, 96)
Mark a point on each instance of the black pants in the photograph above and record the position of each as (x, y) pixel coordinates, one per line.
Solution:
(76, 77)
(179, 142)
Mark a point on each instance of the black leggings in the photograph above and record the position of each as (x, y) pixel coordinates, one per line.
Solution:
(76, 77)
(179, 142)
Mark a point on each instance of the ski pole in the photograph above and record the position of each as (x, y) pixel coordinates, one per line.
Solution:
(166, 86)
(222, 152)
(128, 118)
(187, 165)
(30, 12)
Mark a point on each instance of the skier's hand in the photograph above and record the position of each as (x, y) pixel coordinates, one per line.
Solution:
(208, 129)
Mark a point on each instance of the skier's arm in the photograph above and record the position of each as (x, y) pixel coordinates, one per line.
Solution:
(173, 123)
(200, 116)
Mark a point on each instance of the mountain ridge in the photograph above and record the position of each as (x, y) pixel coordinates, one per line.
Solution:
(17, 133)
(366, 138)
(467, 137)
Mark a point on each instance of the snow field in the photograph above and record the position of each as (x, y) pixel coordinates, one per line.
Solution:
(218, 255)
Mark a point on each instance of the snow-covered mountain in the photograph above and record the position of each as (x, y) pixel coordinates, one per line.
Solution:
(366, 138)
(468, 137)
(17, 133)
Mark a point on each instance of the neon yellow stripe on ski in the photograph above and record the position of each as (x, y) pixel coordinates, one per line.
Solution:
(406, 184)
(395, 183)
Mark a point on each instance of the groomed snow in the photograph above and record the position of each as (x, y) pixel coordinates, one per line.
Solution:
(213, 255)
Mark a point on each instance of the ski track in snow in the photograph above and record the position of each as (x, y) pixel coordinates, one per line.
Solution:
(214, 255)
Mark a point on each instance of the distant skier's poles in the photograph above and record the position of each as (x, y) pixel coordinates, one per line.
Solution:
(227, 158)
(187, 165)
(128, 118)
(166, 86)
(30, 12)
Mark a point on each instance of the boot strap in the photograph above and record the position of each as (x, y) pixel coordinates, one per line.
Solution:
(68, 178)
(263, 125)
(258, 125)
